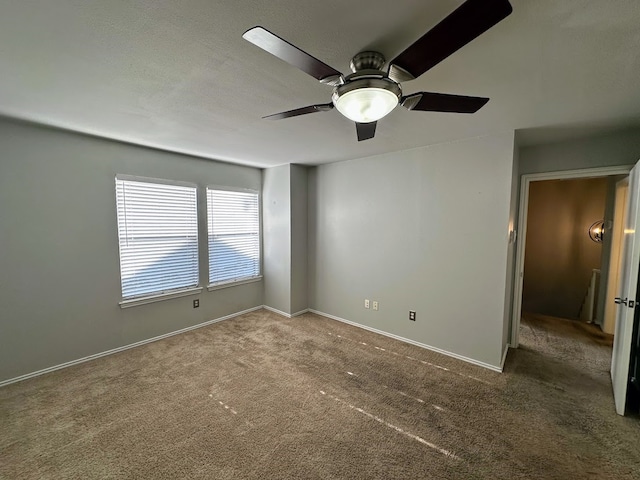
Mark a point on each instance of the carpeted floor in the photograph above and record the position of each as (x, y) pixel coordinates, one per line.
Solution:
(262, 396)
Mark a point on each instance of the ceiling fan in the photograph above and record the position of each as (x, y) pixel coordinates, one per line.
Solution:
(370, 93)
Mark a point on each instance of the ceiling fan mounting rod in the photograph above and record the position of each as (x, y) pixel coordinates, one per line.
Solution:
(367, 61)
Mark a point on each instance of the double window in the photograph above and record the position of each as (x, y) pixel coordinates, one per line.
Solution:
(158, 237)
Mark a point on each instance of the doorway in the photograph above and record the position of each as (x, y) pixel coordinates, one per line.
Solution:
(525, 189)
(624, 359)
(564, 249)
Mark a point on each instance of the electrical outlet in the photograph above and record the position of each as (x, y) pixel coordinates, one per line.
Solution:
(196, 303)
(366, 303)
(375, 305)
(412, 315)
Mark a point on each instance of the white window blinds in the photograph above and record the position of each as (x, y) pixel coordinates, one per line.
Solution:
(158, 232)
(234, 235)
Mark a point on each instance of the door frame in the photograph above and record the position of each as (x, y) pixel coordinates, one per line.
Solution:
(523, 208)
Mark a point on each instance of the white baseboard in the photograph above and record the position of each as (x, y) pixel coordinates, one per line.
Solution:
(504, 357)
(284, 314)
(227, 317)
(275, 310)
(123, 348)
(412, 342)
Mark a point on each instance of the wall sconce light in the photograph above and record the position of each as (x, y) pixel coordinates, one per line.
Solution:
(596, 231)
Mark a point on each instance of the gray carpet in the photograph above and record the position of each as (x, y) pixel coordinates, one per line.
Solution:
(261, 396)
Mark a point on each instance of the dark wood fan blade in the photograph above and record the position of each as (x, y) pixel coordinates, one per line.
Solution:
(467, 22)
(291, 54)
(442, 102)
(366, 130)
(324, 107)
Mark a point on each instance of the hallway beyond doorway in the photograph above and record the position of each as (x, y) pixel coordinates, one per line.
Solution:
(567, 340)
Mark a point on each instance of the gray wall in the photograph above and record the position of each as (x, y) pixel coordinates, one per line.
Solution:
(276, 223)
(622, 148)
(425, 229)
(299, 240)
(559, 255)
(59, 264)
(285, 237)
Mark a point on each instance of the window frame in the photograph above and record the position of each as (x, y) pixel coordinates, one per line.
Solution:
(152, 297)
(241, 281)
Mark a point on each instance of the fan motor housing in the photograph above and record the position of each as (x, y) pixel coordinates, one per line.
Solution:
(367, 73)
(358, 81)
(367, 61)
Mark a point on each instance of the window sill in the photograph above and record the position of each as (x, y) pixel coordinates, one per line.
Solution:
(158, 298)
(218, 286)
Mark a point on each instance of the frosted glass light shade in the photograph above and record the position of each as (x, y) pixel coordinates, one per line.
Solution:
(365, 105)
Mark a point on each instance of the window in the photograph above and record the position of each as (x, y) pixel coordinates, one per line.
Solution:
(234, 235)
(158, 233)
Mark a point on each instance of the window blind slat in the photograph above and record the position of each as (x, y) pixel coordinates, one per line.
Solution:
(158, 236)
(234, 235)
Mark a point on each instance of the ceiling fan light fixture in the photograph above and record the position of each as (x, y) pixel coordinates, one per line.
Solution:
(366, 100)
(366, 105)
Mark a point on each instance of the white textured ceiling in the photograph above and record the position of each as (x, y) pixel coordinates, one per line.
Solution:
(179, 76)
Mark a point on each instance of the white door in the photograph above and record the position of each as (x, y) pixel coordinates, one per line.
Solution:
(627, 294)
